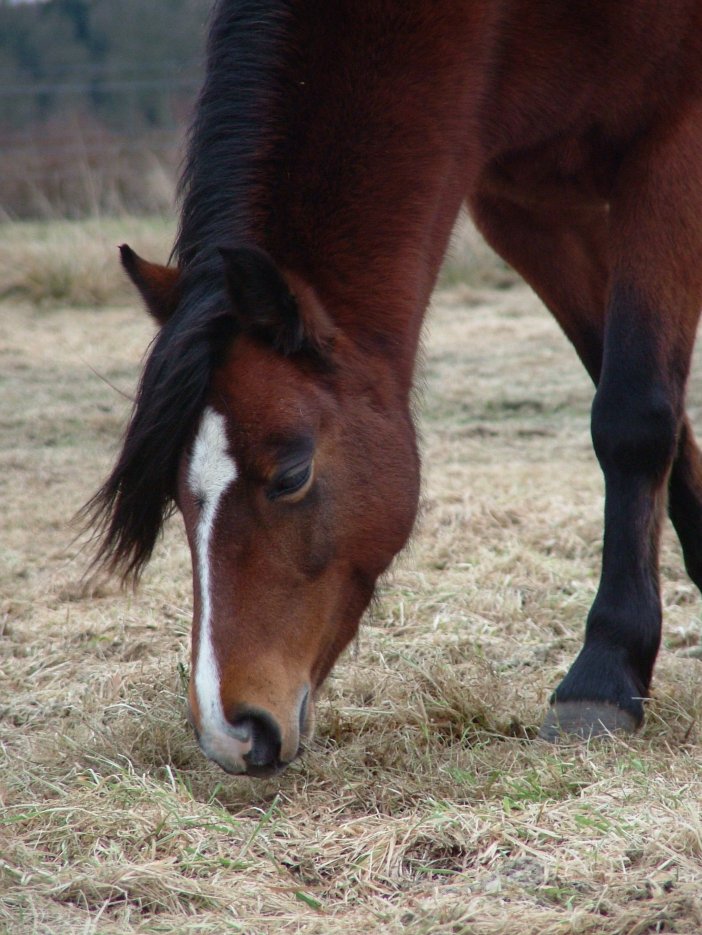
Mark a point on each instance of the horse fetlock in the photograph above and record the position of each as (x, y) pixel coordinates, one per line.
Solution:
(625, 632)
(604, 674)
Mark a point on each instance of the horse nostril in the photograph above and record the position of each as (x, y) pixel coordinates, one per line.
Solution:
(265, 738)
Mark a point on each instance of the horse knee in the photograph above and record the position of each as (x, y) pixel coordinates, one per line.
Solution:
(634, 428)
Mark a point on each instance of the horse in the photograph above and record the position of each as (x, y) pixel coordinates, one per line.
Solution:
(331, 149)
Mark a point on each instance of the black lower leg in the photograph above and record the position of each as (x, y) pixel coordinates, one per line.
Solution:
(634, 426)
(623, 629)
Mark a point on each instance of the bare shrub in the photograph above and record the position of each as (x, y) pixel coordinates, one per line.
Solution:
(77, 168)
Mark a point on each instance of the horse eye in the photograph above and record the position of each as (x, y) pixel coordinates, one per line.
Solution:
(290, 481)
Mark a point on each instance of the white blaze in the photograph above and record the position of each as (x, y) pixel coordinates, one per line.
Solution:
(212, 470)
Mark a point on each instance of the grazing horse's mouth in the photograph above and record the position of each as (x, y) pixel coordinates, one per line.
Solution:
(251, 742)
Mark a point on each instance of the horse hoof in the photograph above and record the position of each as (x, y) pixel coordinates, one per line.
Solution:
(585, 719)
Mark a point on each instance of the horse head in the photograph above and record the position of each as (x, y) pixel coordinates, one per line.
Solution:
(297, 482)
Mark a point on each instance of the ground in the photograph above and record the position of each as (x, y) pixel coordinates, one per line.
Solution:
(422, 806)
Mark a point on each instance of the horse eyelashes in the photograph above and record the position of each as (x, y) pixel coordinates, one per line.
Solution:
(290, 482)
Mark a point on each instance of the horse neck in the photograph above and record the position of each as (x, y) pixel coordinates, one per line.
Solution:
(371, 168)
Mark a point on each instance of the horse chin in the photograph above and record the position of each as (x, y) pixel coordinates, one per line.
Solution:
(308, 720)
(264, 772)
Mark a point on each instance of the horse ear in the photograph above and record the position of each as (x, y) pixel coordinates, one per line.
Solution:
(159, 285)
(261, 300)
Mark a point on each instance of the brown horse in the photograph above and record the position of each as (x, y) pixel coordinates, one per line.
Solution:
(332, 147)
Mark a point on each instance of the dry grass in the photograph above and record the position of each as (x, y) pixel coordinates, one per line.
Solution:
(73, 263)
(420, 807)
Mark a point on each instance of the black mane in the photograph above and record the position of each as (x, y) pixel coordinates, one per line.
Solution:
(220, 188)
(231, 134)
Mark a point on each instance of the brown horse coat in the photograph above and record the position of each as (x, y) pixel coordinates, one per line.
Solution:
(332, 147)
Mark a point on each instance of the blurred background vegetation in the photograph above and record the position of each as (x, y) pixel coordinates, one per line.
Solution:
(94, 98)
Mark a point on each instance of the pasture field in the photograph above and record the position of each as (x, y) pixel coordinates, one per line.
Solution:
(422, 805)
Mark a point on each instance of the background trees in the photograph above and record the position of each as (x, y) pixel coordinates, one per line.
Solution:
(92, 92)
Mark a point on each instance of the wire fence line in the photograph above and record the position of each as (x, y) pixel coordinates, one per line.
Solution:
(95, 99)
(60, 68)
(92, 172)
(98, 86)
(87, 152)
(79, 143)
(107, 139)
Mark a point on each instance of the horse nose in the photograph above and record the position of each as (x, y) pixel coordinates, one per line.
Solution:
(264, 734)
(252, 740)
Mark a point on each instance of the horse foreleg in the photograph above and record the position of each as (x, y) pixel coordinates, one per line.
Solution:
(640, 362)
(563, 256)
(638, 423)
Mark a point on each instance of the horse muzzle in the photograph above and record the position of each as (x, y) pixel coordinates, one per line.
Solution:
(253, 741)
